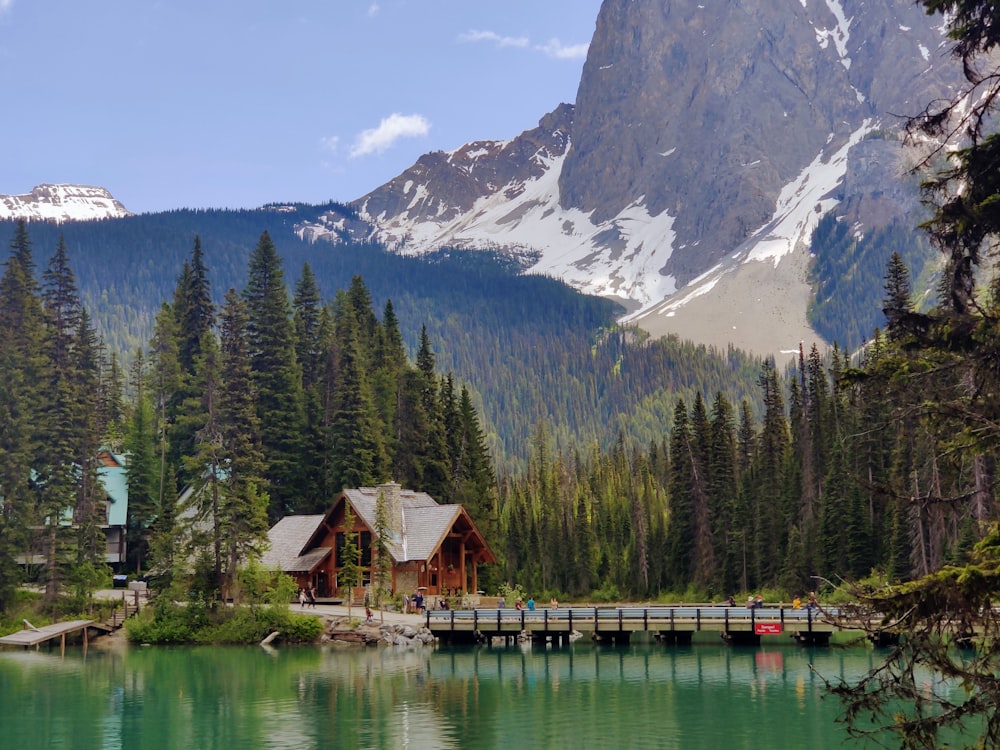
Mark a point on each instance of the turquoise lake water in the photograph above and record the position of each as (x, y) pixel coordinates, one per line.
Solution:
(577, 696)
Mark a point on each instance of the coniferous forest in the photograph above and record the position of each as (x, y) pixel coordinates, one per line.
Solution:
(741, 476)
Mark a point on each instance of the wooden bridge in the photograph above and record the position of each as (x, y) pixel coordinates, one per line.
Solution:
(668, 624)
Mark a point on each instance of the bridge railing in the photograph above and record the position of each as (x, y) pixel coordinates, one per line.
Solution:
(607, 615)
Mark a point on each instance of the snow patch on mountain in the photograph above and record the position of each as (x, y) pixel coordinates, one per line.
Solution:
(801, 204)
(62, 203)
(620, 258)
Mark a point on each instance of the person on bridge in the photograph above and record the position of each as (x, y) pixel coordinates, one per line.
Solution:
(531, 604)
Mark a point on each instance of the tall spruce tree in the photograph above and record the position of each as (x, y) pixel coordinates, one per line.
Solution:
(193, 308)
(58, 470)
(311, 320)
(21, 366)
(243, 514)
(433, 451)
(165, 377)
(723, 489)
(770, 512)
(356, 449)
(277, 376)
(681, 542)
(142, 473)
(194, 316)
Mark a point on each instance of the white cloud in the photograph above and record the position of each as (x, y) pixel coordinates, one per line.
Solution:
(491, 36)
(552, 48)
(6, 5)
(391, 129)
(330, 143)
(373, 10)
(555, 48)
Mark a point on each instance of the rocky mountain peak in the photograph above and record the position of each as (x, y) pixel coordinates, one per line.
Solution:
(62, 203)
(706, 142)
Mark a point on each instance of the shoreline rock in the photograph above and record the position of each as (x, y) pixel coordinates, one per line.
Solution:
(339, 630)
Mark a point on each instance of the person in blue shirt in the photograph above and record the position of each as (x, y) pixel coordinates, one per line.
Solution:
(531, 604)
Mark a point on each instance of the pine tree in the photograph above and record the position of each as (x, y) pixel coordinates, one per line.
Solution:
(381, 557)
(702, 507)
(164, 381)
(354, 441)
(21, 366)
(771, 517)
(243, 511)
(475, 481)
(89, 514)
(311, 328)
(349, 575)
(142, 472)
(277, 376)
(308, 305)
(194, 316)
(58, 471)
(723, 490)
(388, 364)
(193, 308)
(897, 304)
(681, 529)
(433, 451)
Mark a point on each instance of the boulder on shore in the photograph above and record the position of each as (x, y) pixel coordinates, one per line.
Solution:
(340, 630)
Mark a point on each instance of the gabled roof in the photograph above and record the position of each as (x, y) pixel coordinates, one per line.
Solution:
(425, 525)
(425, 522)
(289, 538)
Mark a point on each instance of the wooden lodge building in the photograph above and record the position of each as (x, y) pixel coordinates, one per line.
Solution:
(433, 546)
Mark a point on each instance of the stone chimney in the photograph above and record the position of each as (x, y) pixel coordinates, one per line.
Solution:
(393, 507)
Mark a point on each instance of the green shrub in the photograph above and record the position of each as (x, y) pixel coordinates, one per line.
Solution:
(161, 626)
(607, 593)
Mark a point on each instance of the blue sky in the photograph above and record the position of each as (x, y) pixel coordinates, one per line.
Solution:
(237, 103)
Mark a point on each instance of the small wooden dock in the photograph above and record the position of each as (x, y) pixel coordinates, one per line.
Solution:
(36, 636)
(31, 636)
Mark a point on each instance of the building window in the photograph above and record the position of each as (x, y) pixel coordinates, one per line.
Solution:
(364, 539)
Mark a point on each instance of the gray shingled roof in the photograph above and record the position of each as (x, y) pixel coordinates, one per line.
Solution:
(425, 522)
(288, 539)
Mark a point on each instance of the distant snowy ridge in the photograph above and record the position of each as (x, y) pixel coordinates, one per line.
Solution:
(60, 203)
(622, 257)
(619, 258)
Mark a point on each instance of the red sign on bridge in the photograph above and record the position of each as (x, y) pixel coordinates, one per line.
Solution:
(767, 628)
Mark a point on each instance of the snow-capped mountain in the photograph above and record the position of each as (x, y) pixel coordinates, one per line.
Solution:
(706, 142)
(62, 203)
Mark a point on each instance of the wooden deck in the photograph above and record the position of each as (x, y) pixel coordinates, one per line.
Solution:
(668, 624)
(36, 636)
(31, 636)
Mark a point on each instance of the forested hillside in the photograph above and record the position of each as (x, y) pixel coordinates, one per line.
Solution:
(288, 395)
(847, 273)
(530, 349)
